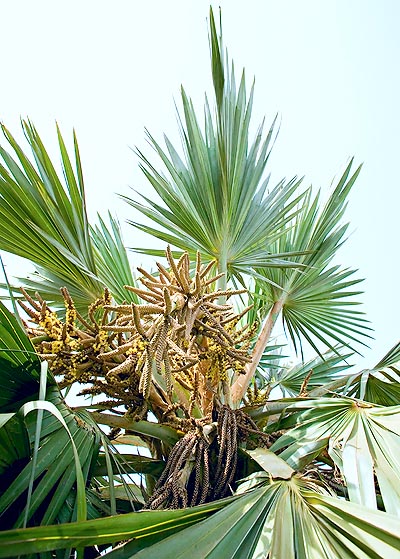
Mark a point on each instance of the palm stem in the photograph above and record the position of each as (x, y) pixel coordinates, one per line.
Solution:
(223, 280)
(239, 387)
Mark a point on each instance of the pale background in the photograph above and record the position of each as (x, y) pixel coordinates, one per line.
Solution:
(330, 68)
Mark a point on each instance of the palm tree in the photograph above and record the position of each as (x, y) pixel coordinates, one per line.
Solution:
(230, 451)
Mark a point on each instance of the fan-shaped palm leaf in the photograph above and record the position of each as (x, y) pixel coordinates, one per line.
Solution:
(305, 376)
(287, 519)
(361, 439)
(317, 301)
(145, 528)
(215, 199)
(39, 219)
(45, 221)
(381, 384)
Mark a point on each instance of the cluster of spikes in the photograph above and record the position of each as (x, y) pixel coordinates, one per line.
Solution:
(186, 335)
(176, 354)
(203, 464)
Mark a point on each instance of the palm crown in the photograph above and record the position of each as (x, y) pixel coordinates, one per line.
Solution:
(181, 362)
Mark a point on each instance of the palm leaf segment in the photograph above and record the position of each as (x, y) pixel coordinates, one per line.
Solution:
(46, 222)
(285, 519)
(381, 384)
(215, 199)
(54, 496)
(281, 519)
(362, 440)
(314, 299)
(304, 376)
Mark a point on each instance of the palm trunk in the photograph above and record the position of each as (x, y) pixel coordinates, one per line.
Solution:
(241, 384)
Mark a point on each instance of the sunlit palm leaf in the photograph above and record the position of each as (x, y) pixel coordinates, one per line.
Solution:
(361, 439)
(318, 300)
(381, 384)
(292, 519)
(390, 360)
(112, 262)
(214, 199)
(145, 527)
(44, 220)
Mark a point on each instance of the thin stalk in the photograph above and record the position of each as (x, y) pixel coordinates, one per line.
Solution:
(241, 384)
(222, 286)
(222, 283)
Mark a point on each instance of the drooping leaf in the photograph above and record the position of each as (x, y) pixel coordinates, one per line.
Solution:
(56, 467)
(158, 431)
(271, 463)
(143, 527)
(129, 463)
(293, 519)
(381, 384)
(361, 439)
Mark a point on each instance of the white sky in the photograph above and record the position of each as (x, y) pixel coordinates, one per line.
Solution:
(329, 67)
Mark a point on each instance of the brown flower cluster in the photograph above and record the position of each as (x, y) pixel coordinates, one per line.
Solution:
(176, 353)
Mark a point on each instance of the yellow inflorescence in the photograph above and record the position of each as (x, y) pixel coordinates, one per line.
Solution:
(101, 342)
(180, 325)
(51, 324)
(70, 317)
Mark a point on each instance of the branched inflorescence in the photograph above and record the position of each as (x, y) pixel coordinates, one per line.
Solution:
(181, 345)
(202, 465)
(177, 354)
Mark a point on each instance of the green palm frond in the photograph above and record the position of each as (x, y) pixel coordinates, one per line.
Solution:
(19, 364)
(145, 528)
(54, 470)
(19, 383)
(362, 440)
(285, 519)
(381, 384)
(215, 199)
(315, 372)
(271, 361)
(318, 300)
(44, 219)
(390, 360)
(112, 263)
